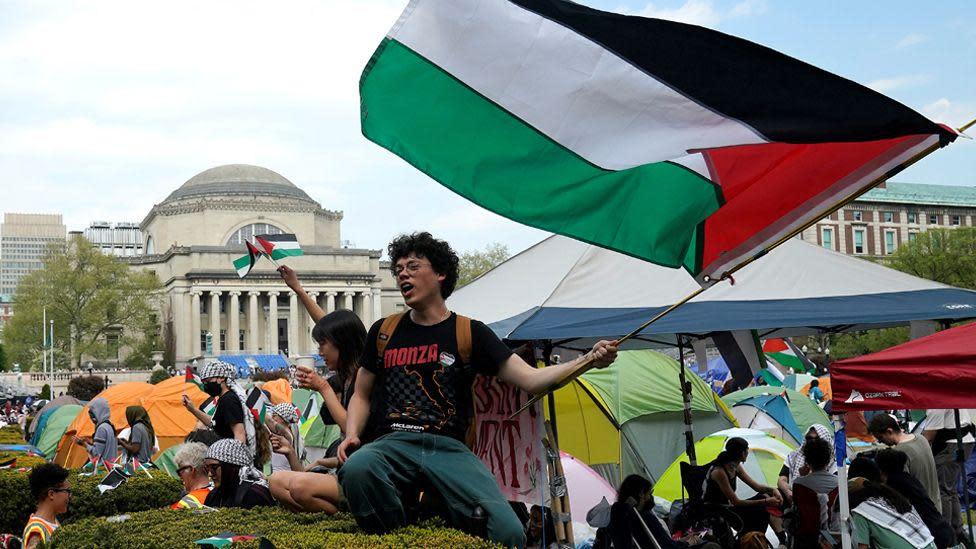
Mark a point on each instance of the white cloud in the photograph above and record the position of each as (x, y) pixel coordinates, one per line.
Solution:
(695, 12)
(886, 85)
(748, 8)
(910, 40)
(952, 113)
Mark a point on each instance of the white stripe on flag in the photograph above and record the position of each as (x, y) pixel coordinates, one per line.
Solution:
(568, 87)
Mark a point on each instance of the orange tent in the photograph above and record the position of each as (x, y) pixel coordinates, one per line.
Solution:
(824, 386)
(119, 397)
(171, 421)
(279, 389)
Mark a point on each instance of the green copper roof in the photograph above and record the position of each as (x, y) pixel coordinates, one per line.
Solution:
(916, 193)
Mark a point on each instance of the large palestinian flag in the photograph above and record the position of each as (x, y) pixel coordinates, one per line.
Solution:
(665, 141)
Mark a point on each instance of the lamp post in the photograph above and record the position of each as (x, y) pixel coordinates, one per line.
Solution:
(52, 353)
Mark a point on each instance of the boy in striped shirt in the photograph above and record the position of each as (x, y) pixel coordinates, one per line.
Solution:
(50, 488)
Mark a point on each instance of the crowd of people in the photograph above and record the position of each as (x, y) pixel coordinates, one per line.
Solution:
(400, 393)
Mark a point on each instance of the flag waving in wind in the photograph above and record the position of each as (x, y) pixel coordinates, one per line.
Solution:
(278, 246)
(245, 263)
(665, 141)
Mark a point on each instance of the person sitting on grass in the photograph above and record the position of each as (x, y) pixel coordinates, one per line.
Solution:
(50, 489)
(237, 483)
(103, 446)
(191, 470)
(286, 439)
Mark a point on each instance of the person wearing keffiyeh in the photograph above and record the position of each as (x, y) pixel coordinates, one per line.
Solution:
(232, 418)
(237, 483)
(286, 440)
(796, 466)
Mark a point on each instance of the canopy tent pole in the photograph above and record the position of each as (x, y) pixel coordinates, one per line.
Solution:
(844, 501)
(961, 460)
(686, 404)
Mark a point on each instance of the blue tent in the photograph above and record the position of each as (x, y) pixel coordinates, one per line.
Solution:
(246, 363)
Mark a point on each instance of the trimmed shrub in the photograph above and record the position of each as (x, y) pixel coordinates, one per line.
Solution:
(85, 387)
(23, 460)
(45, 392)
(139, 493)
(11, 434)
(167, 528)
(158, 376)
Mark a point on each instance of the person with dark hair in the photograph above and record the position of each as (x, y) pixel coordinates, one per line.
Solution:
(818, 456)
(416, 380)
(883, 519)
(796, 464)
(815, 393)
(921, 462)
(540, 531)
(720, 485)
(864, 467)
(633, 522)
(892, 464)
(51, 491)
(142, 437)
(236, 482)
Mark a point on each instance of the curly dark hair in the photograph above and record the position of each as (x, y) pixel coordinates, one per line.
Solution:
(442, 258)
(44, 478)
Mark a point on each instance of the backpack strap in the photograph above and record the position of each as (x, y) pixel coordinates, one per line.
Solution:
(463, 334)
(386, 332)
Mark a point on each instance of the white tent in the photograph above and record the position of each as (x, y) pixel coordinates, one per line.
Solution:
(563, 290)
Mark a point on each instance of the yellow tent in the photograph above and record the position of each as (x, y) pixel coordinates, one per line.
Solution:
(119, 397)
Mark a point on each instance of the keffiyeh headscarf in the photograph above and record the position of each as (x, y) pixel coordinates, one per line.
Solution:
(795, 460)
(218, 368)
(287, 412)
(232, 452)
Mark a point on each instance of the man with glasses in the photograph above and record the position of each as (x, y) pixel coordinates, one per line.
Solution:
(191, 470)
(50, 488)
(415, 381)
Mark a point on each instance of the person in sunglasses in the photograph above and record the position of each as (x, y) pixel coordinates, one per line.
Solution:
(237, 483)
(191, 470)
(50, 488)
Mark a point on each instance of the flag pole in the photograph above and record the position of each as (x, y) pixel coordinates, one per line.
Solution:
(587, 363)
(967, 125)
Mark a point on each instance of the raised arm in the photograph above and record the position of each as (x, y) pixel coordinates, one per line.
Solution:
(291, 279)
(537, 380)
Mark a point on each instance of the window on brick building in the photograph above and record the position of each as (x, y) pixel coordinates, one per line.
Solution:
(827, 237)
(889, 237)
(859, 241)
(912, 217)
(933, 219)
(856, 215)
(889, 217)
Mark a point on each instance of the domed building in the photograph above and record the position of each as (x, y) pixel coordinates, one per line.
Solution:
(194, 235)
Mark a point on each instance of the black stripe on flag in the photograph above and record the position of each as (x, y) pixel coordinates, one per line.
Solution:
(782, 98)
(285, 237)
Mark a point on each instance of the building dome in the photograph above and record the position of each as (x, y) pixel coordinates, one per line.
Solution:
(238, 180)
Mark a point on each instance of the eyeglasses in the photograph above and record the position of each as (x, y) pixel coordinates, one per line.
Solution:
(64, 490)
(411, 267)
(184, 468)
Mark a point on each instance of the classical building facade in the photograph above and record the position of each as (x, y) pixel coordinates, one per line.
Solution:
(890, 215)
(193, 236)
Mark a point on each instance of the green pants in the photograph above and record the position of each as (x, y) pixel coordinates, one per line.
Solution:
(376, 475)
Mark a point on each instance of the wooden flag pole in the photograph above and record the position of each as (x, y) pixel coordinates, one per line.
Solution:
(967, 125)
(587, 364)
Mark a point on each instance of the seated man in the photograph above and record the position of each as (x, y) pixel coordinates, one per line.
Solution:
(892, 465)
(817, 453)
(50, 489)
(415, 376)
(236, 482)
(191, 470)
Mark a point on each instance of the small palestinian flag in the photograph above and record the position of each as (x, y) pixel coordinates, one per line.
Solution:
(91, 468)
(192, 377)
(278, 246)
(223, 539)
(308, 417)
(144, 467)
(245, 263)
(210, 406)
(785, 353)
(258, 403)
(9, 464)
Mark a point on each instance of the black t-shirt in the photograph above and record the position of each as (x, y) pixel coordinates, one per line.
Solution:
(344, 394)
(422, 385)
(229, 412)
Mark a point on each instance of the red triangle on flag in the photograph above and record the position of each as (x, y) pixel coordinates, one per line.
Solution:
(268, 246)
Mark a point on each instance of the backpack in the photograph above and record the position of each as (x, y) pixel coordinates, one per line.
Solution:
(463, 338)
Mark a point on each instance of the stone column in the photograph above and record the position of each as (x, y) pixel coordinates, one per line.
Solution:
(215, 319)
(366, 308)
(347, 302)
(194, 324)
(330, 302)
(233, 322)
(272, 324)
(293, 331)
(377, 302)
(309, 344)
(252, 321)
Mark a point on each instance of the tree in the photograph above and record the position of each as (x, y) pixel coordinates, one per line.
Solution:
(96, 302)
(3, 359)
(863, 343)
(45, 392)
(942, 255)
(158, 376)
(85, 387)
(476, 263)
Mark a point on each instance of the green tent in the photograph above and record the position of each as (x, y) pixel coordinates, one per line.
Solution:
(53, 429)
(165, 460)
(764, 408)
(321, 435)
(639, 393)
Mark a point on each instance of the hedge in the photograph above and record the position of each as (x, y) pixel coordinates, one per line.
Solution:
(167, 528)
(23, 460)
(139, 493)
(11, 434)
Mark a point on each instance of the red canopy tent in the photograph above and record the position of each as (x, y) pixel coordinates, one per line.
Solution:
(937, 371)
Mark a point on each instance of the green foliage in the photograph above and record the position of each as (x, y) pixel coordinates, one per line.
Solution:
(862, 343)
(943, 255)
(158, 376)
(11, 434)
(46, 392)
(4, 366)
(85, 387)
(476, 263)
(139, 493)
(89, 296)
(168, 528)
(23, 460)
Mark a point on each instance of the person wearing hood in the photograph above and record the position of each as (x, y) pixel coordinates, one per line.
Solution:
(142, 437)
(103, 445)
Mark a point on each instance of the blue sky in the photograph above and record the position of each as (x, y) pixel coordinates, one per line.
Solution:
(107, 107)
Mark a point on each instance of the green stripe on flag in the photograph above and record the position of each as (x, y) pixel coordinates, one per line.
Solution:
(484, 153)
(789, 360)
(243, 265)
(279, 253)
